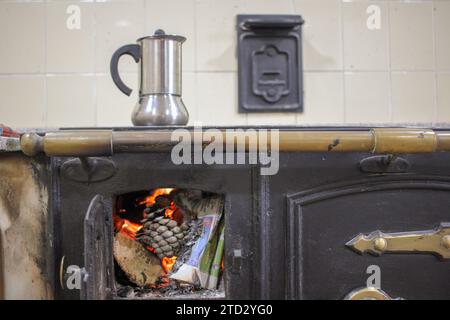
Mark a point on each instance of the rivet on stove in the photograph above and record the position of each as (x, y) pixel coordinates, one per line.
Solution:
(380, 244)
(446, 241)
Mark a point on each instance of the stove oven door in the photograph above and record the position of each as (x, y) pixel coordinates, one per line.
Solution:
(379, 238)
(98, 232)
(354, 231)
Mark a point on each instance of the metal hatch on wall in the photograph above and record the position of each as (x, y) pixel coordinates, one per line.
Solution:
(270, 63)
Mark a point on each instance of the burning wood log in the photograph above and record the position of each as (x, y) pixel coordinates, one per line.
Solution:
(141, 266)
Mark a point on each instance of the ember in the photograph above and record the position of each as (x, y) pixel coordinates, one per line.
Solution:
(168, 263)
(151, 199)
(126, 227)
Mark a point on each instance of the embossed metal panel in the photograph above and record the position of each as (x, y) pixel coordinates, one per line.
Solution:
(270, 63)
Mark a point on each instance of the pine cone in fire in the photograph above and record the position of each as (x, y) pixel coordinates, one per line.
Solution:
(164, 235)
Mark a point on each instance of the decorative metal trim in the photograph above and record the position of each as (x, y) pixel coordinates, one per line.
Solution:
(384, 164)
(88, 169)
(61, 272)
(79, 143)
(369, 293)
(334, 190)
(436, 242)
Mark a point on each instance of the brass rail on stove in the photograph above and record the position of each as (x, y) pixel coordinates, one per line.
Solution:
(108, 142)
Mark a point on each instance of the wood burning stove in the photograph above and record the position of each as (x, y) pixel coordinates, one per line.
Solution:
(292, 235)
(90, 207)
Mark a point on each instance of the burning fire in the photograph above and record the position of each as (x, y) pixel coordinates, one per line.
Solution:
(151, 199)
(130, 229)
(126, 227)
(169, 211)
(168, 263)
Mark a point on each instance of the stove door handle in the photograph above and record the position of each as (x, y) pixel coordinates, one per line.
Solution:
(435, 242)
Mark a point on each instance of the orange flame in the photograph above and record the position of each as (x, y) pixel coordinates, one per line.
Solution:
(130, 229)
(168, 263)
(150, 200)
(169, 211)
(126, 227)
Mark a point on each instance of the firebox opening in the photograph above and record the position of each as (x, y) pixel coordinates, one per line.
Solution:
(169, 243)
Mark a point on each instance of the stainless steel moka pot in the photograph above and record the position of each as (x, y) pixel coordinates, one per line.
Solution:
(159, 58)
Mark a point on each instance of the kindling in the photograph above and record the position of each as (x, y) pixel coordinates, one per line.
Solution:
(229, 146)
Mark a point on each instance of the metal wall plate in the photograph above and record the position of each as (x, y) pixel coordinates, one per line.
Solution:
(270, 63)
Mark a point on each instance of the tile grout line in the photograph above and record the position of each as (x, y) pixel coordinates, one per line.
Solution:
(389, 59)
(87, 74)
(433, 28)
(341, 26)
(195, 63)
(45, 116)
(297, 114)
(94, 65)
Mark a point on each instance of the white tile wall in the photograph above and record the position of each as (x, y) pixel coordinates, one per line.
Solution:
(367, 97)
(365, 48)
(398, 72)
(70, 100)
(117, 23)
(322, 33)
(189, 94)
(22, 100)
(323, 99)
(112, 105)
(216, 30)
(442, 27)
(70, 50)
(215, 93)
(182, 21)
(443, 97)
(413, 97)
(411, 28)
(22, 34)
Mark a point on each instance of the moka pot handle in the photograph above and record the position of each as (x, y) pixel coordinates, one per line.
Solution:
(133, 50)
